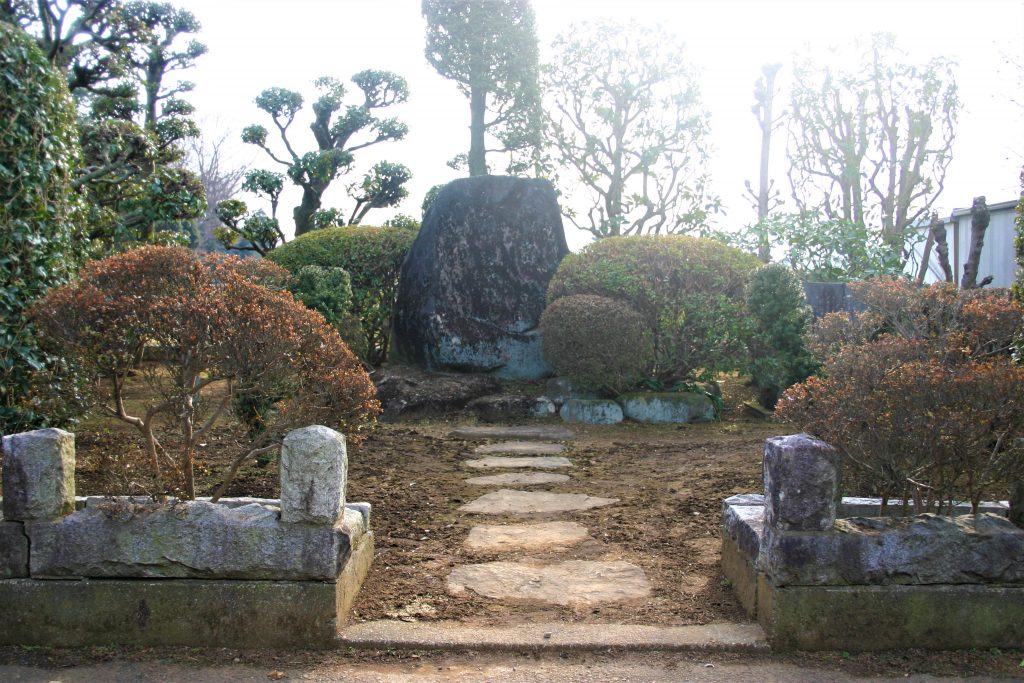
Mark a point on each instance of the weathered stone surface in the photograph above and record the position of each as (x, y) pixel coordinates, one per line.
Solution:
(544, 407)
(518, 478)
(502, 538)
(927, 549)
(591, 411)
(406, 392)
(519, 433)
(510, 407)
(546, 462)
(667, 407)
(567, 583)
(801, 483)
(13, 550)
(186, 540)
(38, 474)
(509, 502)
(859, 618)
(473, 285)
(197, 613)
(314, 473)
(520, 448)
(745, 525)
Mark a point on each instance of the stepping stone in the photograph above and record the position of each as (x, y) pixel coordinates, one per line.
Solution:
(566, 583)
(525, 536)
(521, 448)
(520, 433)
(549, 462)
(522, 478)
(509, 502)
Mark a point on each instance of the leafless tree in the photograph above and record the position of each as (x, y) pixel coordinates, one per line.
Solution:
(207, 157)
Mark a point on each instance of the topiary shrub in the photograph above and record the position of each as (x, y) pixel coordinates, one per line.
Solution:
(920, 394)
(779, 319)
(227, 341)
(597, 342)
(329, 291)
(689, 290)
(372, 257)
(38, 208)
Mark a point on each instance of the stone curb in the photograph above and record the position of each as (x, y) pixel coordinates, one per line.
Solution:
(553, 637)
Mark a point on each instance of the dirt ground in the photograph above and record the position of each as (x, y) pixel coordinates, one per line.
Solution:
(670, 481)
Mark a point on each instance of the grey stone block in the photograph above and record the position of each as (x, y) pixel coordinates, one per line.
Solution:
(13, 550)
(314, 473)
(923, 550)
(801, 483)
(38, 474)
(667, 408)
(744, 524)
(595, 412)
(185, 540)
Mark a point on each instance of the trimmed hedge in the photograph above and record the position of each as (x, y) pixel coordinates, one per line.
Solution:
(39, 154)
(372, 257)
(597, 342)
(689, 290)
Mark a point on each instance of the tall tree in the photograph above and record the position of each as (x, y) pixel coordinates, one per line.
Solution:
(334, 131)
(627, 124)
(221, 179)
(764, 103)
(116, 57)
(489, 48)
(872, 145)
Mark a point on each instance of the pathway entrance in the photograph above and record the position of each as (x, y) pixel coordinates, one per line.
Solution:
(528, 530)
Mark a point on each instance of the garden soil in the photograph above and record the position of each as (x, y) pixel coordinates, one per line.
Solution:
(670, 480)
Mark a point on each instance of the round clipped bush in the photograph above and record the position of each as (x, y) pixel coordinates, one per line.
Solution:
(597, 342)
(689, 290)
(38, 157)
(372, 257)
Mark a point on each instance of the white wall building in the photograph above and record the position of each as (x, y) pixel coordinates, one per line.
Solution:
(997, 254)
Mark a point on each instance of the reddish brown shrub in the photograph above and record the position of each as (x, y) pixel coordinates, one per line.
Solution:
(215, 323)
(919, 392)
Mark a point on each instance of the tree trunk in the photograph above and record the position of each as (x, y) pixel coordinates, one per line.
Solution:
(937, 232)
(477, 150)
(765, 94)
(979, 224)
(303, 213)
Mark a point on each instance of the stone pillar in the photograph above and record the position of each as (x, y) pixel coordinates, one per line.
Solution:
(801, 484)
(1017, 504)
(314, 472)
(39, 475)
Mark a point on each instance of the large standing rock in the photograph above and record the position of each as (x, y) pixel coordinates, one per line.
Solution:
(473, 284)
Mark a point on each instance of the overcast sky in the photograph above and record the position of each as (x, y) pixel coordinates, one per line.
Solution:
(255, 44)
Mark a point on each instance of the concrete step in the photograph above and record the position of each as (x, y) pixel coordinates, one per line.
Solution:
(453, 636)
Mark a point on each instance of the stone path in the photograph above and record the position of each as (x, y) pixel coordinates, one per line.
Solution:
(544, 461)
(518, 576)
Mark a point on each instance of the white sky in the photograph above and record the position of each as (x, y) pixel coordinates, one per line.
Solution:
(255, 44)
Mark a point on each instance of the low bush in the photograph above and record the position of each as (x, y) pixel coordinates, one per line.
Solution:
(690, 292)
(597, 342)
(227, 343)
(372, 257)
(779, 319)
(920, 394)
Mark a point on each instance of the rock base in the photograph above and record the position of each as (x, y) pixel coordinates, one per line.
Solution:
(196, 613)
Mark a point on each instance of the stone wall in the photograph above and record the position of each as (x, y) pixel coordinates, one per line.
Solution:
(818, 575)
(129, 570)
